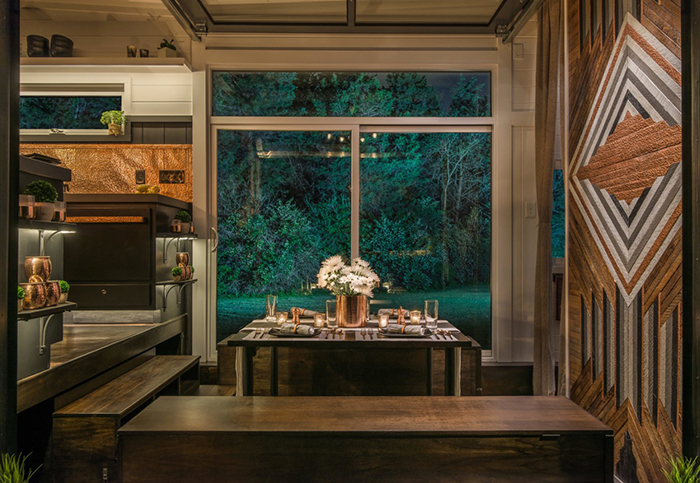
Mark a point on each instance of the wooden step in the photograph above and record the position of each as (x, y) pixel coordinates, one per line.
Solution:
(213, 390)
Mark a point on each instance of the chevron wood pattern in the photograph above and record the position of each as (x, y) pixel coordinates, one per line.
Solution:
(624, 231)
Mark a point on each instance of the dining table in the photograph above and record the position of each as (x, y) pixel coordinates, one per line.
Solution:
(263, 333)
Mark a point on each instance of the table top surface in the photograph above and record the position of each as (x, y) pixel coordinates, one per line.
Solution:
(352, 338)
(389, 416)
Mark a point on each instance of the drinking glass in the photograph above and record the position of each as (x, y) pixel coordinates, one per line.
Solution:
(270, 307)
(331, 314)
(431, 314)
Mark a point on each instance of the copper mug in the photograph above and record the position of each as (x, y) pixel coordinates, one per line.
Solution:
(53, 293)
(182, 258)
(34, 295)
(37, 269)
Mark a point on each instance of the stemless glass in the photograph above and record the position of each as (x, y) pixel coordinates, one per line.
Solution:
(331, 314)
(431, 314)
(270, 307)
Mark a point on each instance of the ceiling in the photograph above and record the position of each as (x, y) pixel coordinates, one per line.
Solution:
(94, 10)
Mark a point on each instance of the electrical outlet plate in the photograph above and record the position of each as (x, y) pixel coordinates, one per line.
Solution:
(140, 176)
(171, 176)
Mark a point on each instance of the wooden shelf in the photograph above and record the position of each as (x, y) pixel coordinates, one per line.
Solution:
(46, 311)
(46, 225)
(106, 61)
(173, 282)
(176, 235)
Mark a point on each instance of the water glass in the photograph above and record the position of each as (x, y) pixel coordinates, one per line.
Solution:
(270, 307)
(431, 314)
(331, 314)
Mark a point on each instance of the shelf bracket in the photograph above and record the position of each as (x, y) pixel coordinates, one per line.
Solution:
(166, 244)
(44, 323)
(168, 289)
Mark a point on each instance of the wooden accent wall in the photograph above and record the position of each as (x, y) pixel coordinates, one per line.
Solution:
(624, 230)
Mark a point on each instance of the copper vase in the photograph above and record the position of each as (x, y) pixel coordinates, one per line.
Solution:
(34, 295)
(37, 269)
(53, 293)
(351, 310)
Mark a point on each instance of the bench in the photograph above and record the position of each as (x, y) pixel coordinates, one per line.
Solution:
(361, 439)
(84, 439)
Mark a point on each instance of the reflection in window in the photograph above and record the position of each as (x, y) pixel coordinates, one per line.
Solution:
(357, 94)
(425, 222)
(63, 112)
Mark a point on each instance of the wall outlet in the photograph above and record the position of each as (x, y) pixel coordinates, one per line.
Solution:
(140, 176)
(530, 209)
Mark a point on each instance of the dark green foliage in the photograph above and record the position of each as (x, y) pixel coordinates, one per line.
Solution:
(43, 191)
(177, 271)
(558, 222)
(12, 469)
(20, 293)
(183, 216)
(65, 286)
(682, 470)
(167, 44)
(43, 112)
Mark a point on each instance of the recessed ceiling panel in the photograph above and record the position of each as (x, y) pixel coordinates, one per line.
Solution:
(277, 11)
(426, 12)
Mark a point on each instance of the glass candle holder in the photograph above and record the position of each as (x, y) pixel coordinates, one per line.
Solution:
(60, 211)
(318, 320)
(383, 321)
(26, 207)
(415, 317)
(176, 226)
(281, 318)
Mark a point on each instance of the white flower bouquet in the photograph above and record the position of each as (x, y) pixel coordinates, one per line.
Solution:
(342, 279)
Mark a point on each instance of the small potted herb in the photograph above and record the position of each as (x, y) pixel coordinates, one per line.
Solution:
(20, 297)
(45, 196)
(167, 48)
(185, 221)
(177, 274)
(12, 468)
(115, 121)
(65, 287)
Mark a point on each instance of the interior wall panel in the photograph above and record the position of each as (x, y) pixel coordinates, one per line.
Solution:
(624, 225)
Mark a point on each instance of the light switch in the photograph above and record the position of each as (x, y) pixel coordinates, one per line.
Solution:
(530, 209)
(518, 51)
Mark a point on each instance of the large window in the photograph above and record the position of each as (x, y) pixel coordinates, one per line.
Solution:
(413, 198)
(65, 112)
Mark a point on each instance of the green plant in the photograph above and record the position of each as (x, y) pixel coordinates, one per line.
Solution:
(192, 268)
(177, 271)
(12, 469)
(165, 44)
(183, 216)
(682, 470)
(113, 117)
(65, 287)
(20, 293)
(43, 191)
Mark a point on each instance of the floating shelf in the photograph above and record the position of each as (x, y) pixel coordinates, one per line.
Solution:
(46, 225)
(176, 235)
(173, 282)
(46, 311)
(107, 61)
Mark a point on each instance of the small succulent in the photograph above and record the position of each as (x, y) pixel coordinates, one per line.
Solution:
(113, 117)
(183, 216)
(20, 293)
(177, 272)
(65, 287)
(12, 469)
(43, 191)
(168, 44)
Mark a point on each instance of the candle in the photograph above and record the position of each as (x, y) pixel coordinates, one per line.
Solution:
(281, 318)
(383, 321)
(318, 320)
(415, 317)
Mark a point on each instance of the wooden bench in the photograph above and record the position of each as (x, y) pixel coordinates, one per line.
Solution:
(361, 439)
(84, 440)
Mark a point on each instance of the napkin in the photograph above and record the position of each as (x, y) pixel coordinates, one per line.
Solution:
(305, 312)
(405, 329)
(392, 312)
(296, 329)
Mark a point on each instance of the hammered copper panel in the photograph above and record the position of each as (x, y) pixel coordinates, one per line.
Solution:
(111, 168)
(104, 219)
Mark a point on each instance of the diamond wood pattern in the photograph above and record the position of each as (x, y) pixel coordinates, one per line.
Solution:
(624, 232)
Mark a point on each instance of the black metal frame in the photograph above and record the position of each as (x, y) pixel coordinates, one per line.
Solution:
(196, 20)
(9, 201)
(690, 33)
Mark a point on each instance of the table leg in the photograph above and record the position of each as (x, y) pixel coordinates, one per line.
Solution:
(429, 363)
(248, 371)
(273, 371)
(457, 389)
(453, 371)
(477, 369)
(240, 371)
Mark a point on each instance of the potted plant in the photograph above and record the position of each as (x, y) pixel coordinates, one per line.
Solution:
(115, 121)
(20, 297)
(177, 274)
(12, 469)
(682, 470)
(185, 220)
(45, 195)
(65, 287)
(167, 48)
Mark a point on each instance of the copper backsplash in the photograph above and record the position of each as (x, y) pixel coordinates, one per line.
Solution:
(111, 168)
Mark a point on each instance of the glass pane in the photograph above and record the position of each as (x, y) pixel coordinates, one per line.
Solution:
(440, 12)
(283, 207)
(558, 227)
(425, 223)
(45, 112)
(277, 11)
(356, 94)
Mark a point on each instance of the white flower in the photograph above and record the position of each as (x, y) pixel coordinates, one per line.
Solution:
(356, 279)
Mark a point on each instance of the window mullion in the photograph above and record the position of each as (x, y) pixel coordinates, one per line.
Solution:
(355, 193)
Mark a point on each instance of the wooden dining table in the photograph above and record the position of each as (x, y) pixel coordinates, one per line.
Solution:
(257, 334)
